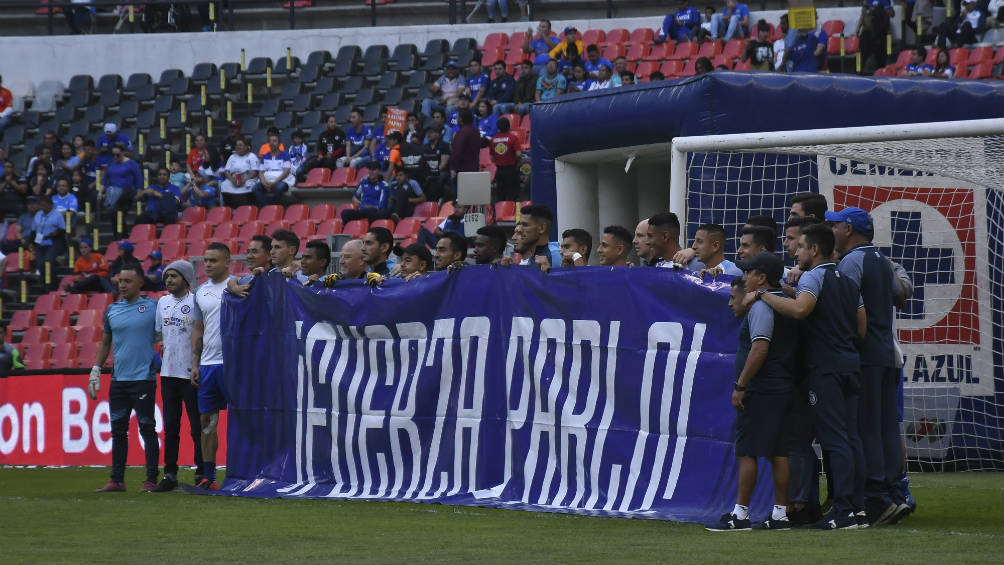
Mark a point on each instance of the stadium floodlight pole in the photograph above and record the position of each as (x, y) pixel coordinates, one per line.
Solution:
(812, 139)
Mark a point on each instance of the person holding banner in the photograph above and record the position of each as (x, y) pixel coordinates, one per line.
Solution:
(377, 245)
(489, 245)
(765, 365)
(642, 244)
(130, 332)
(536, 221)
(615, 244)
(451, 248)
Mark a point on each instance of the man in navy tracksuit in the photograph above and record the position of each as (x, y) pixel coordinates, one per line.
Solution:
(834, 318)
(872, 272)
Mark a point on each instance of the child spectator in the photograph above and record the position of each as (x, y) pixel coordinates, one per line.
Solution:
(759, 52)
(504, 151)
(178, 176)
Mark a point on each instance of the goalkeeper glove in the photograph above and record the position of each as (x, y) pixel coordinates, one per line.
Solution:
(94, 382)
(331, 279)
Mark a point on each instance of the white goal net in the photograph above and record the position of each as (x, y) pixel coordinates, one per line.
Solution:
(936, 195)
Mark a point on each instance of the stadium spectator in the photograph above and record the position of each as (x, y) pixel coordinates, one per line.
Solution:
(570, 37)
(525, 93)
(502, 88)
(808, 204)
(864, 264)
(679, 25)
(200, 157)
(917, 66)
(703, 66)
(445, 90)
(453, 119)
(241, 176)
(64, 201)
(129, 333)
(505, 153)
(266, 147)
(90, 165)
(593, 61)
(440, 125)
(754, 240)
(489, 245)
(10, 357)
(764, 368)
(733, 21)
(90, 270)
(995, 14)
(535, 222)
(703, 33)
(412, 133)
(453, 223)
(550, 84)
(487, 120)
(162, 200)
(65, 162)
(436, 154)
(175, 324)
(416, 260)
(207, 357)
(330, 145)
(178, 177)
(541, 44)
(627, 78)
(803, 53)
(48, 234)
(80, 189)
(641, 244)
(372, 199)
(358, 142)
(614, 247)
(873, 26)
(576, 246)
(451, 248)
(229, 144)
(121, 181)
(298, 154)
(604, 80)
(963, 28)
(153, 279)
(477, 82)
(781, 44)
(465, 151)
(315, 260)
(15, 188)
(709, 243)
(620, 66)
(943, 67)
(833, 315)
(6, 106)
(406, 193)
(503, 8)
(394, 161)
(109, 139)
(580, 81)
(201, 189)
(40, 182)
(351, 264)
(123, 261)
(275, 179)
(377, 245)
(759, 52)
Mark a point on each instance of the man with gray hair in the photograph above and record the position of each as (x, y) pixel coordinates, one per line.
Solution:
(175, 323)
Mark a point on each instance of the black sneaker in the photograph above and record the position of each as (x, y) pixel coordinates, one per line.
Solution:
(826, 506)
(165, 485)
(834, 521)
(730, 523)
(862, 518)
(903, 510)
(778, 524)
(879, 513)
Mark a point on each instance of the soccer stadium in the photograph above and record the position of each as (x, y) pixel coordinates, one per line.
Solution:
(500, 281)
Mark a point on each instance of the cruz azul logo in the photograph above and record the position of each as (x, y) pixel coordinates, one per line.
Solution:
(936, 228)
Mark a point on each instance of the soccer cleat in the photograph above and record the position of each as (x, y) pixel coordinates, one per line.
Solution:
(833, 521)
(778, 524)
(112, 486)
(880, 513)
(148, 486)
(166, 485)
(862, 519)
(206, 484)
(730, 523)
(198, 479)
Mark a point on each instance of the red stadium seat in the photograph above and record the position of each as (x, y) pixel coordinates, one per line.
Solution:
(710, 49)
(446, 209)
(742, 66)
(46, 303)
(64, 356)
(90, 318)
(35, 335)
(406, 228)
(617, 36)
(22, 320)
(490, 55)
(74, 303)
(593, 36)
(432, 223)
(852, 44)
(660, 52)
(341, 177)
(277, 225)
(245, 214)
(224, 231)
(389, 224)
(315, 178)
(100, 301)
(250, 230)
(517, 39)
(690, 68)
(193, 215)
(356, 228)
(903, 59)
(982, 70)
(638, 51)
(173, 232)
(197, 248)
(322, 212)
(683, 51)
(515, 56)
(270, 213)
(329, 227)
(833, 27)
(57, 318)
(344, 207)
(497, 39)
(172, 250)
(426, 210)
(505, 211)
(932, 56)
(886, 71)
(958, 56)
(90, 334)
(671, 68)
(12, 259)
(36, 357)
(722, 60)
(646, 68)
(112, 251)
(613, 50)
(642, 35)
(144, 248)
(999, 55)
(296, 212)
(219, 214)
(88, 354)
(63, 335)
(143, 232)
(304, 229)
(200, 231)
(45, 8)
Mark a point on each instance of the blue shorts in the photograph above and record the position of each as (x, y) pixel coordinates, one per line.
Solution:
(211, 395)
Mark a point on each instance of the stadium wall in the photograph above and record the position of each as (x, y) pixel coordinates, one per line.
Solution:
(96, 55)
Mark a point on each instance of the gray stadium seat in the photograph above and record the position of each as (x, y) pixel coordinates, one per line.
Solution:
(434, 62)
(374, 60)
(371, 113)
(47, 93)
(280, 66)
(268, 108)
(95, 114)
(145, 93)
(233, 72)
(365, 97)
(110, 98)
(309, 74)
(167, 77)
(129, 110)
(387, 80)
(404, 58)
(330, 101)
(310, 119)
(146, 119)
(163, 104)
(463, 50)
(394, 96)
(251, 123)
(436, 47)
(81, 82)
(258, 67)
(342, 114)
(325, 85)
(203, 72)
(290, 90)
(178, 87)
(300, 104)
(347, 61)
(135, 82)
(318, 58)
(283, 120)
(109, 82)
(351, 84)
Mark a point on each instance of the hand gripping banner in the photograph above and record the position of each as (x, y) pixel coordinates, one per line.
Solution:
(588, 390)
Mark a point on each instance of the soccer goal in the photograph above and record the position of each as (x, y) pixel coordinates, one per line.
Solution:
(936, 195)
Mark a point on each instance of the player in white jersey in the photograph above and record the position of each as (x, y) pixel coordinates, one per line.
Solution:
(175, 322)
(207, 356)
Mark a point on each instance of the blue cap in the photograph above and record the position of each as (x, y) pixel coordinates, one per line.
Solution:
(570, 29)
(126, 245)
(88, 241)
(856, 217)
(452, 64)
(156, 254)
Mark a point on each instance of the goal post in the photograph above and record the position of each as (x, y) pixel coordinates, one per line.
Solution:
(936, 195)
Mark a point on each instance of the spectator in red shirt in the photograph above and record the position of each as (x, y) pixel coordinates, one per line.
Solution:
(465, 150)
(199, 157)
(505, 154)
(6, 106)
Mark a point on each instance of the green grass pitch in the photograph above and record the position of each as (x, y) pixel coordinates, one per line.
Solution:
(51, 516)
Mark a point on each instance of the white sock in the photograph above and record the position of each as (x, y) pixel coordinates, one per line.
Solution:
(779, 513)
(741, 512)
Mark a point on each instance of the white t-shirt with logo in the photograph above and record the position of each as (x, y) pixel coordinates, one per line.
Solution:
(240, 166)
(208, 303)
(175, 319)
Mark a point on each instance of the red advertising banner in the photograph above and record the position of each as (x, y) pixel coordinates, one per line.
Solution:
(50, 420)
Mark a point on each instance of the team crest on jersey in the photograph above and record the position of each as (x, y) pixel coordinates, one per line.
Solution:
(186, 309)
(501, 148)
(812, 398)
(141, 308)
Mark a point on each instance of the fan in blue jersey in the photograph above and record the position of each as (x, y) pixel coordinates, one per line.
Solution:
(477, 81)
(917, 65)
(593, 61)
(679, 25)
(358, 140)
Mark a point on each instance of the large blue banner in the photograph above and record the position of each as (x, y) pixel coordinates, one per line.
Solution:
(588, 390)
